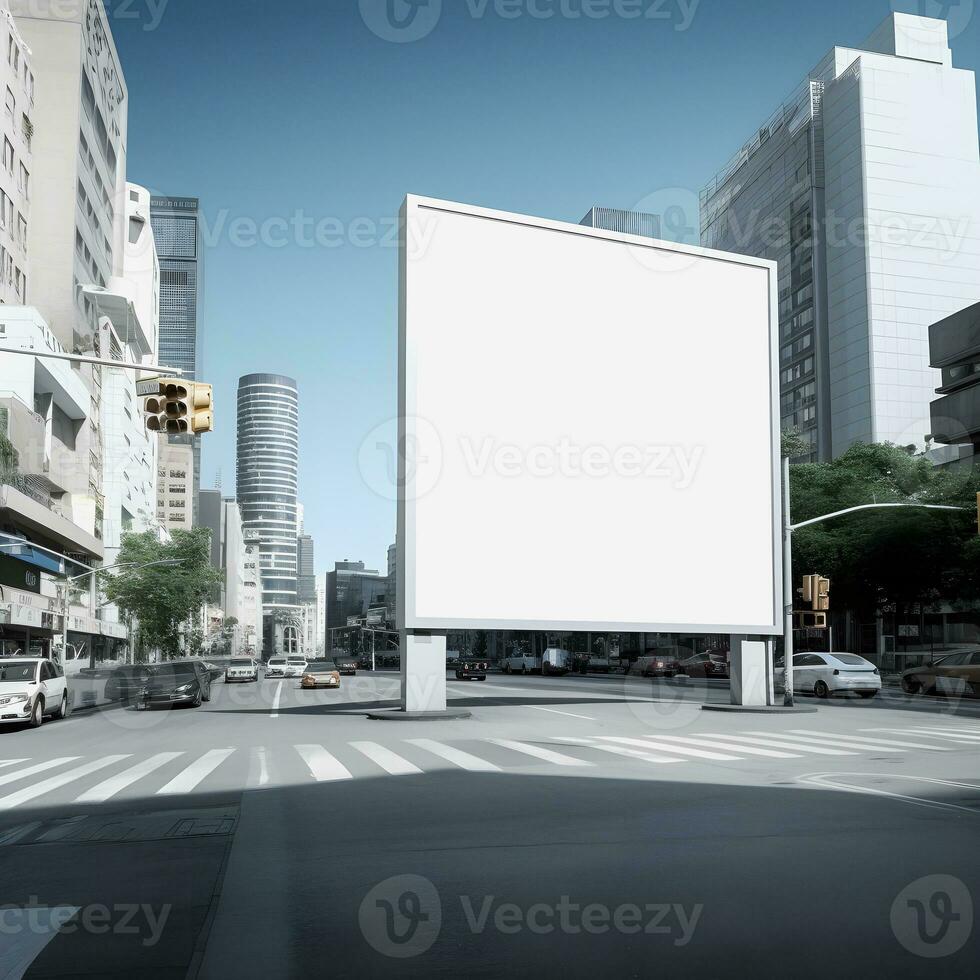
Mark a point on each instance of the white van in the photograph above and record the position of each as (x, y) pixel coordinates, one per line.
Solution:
(521, 664)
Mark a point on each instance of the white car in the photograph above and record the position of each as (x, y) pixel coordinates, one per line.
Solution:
(295, 667)
(824, 674)
(275, 667)
(31, 688)
(241, 669)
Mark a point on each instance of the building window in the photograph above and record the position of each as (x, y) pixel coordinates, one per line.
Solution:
(8, 156)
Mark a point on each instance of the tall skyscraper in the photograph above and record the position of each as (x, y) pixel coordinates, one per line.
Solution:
(267, 471)
(306, 573)
(865, 187)
(176, 229)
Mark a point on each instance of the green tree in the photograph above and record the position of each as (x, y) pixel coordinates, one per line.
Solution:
(163, 598)
(884, 558)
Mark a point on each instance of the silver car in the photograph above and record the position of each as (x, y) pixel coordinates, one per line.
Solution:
(295, 667)
(241, 670)
(824, 674)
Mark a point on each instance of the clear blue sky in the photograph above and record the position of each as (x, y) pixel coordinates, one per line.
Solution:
(294, 109)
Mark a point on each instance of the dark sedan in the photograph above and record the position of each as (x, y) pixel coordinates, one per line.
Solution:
(346, 665)
(181, 683)
(126, 683)
(472, 669)
(705, 665)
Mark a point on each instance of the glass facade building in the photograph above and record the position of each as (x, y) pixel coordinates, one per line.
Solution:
(176, 230)
(267, 476)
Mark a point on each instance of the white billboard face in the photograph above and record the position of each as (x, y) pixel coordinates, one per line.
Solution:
(589, 434)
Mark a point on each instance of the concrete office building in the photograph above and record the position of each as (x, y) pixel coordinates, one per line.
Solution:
(321, 616)
(306, 573)
(267, 474)
(954, 344)
(175, 485)
(250, 615)
(865, 187)
(625, 222)
(176, 230)
(79, 127)
(17, 130)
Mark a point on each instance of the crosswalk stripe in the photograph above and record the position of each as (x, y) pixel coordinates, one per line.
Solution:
(11, 762)
(873, 743)
(824, 739)
(456, 756)
(115, 784)
(56, 782)
(187, 781)
(746, 749)
(537, 752)
(323, 766)
(258, 768)
(650, 743)
(778, 743)
(591, 743)
(391, 762)
(11, 777)
(947, 733)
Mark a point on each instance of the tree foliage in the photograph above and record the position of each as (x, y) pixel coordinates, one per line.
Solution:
(162, 598)
(887, 557)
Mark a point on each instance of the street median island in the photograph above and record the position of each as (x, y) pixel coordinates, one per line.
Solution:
(762, 709)
(397, 714)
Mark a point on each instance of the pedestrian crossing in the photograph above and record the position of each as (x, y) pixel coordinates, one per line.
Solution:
(174, 773)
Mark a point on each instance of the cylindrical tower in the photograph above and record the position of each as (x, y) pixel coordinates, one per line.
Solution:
(268, 462)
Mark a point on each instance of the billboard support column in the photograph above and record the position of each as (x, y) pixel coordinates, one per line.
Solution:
(749, 671)
(423, 671)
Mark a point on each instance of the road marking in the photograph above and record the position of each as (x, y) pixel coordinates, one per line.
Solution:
(619, 750)
(951, 733)
(567, 714)
(456, 756)
(824, 739)
(834, 780)
(258, 768)
(11, 762)
(109, 787)
(649, 743)
(187, 781)
(324, 767)
(710, 743)
(391, 762)
(63, 829)
(56, 782)
(538, 752)
(39, 767)
(17, 833)
(275, 701)
(773, 742)
(872, 743)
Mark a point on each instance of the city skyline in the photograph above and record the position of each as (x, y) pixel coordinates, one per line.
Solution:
(350, 167)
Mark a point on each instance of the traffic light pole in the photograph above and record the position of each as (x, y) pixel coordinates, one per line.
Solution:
(788, 529)
(82, 359)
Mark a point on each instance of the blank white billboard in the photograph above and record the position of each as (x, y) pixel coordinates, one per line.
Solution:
(588, 429)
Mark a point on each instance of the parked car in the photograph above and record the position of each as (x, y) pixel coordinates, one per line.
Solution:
(655, 665)
(521, 663)
(958, 673)
(295, 667)
(320, 673)
(181, 682)
(30, 689)
(241, 670)
(704, 665)
(825, 674)
(213, 669)
(125, 683)
(472, 668)
(275, 667)
(346, 665)
(598, 665)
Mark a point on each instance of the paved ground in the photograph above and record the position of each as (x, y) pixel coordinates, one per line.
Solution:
(598, 826)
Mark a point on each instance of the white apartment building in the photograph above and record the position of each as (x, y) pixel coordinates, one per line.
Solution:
(865, 187)
(77, 189)
(321, 617)
(250, 616)
(17, 132)
(175, 485)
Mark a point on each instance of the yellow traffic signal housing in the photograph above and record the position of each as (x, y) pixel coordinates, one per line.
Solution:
(806, 620)
(180, 407)
(821, 594)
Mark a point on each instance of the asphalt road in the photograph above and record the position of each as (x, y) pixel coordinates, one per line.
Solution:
(593, 826)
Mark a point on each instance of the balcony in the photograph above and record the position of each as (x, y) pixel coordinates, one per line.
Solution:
(21, 506)
(118, 303)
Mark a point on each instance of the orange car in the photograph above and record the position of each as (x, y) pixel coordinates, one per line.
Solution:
(321, 673)
(957, 674)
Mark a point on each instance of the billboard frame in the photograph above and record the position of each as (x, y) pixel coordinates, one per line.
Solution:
(406, 530)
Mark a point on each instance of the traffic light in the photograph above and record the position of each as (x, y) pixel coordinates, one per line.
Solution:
(810, 620)
(179, 407)
(816, 592)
